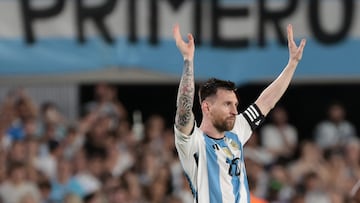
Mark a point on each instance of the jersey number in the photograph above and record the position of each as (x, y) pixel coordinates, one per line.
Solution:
(234, 167)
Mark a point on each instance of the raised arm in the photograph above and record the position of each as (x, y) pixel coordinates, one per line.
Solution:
(184, 119)
(271, 95)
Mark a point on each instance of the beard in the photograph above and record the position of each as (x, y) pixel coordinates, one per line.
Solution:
(223, 125)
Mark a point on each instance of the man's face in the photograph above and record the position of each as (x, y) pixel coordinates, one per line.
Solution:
(223, 110)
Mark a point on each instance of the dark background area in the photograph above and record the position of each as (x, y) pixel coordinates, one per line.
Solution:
(306, 103)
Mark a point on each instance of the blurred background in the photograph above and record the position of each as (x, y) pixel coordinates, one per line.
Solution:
(88, 91)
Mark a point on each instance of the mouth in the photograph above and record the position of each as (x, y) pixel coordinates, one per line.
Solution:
(230, 121)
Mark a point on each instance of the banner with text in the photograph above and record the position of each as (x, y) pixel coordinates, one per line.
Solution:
(239, 40)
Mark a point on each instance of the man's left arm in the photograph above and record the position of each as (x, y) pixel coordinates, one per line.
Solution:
(272, 94)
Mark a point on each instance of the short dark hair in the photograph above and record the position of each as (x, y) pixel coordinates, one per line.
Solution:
(211, 86)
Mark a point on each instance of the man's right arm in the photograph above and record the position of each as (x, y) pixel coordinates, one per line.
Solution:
(184, 119)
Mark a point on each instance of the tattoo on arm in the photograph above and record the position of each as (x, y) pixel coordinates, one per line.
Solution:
(185, 98)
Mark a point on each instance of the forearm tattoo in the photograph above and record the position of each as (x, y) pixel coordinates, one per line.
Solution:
(185, 97)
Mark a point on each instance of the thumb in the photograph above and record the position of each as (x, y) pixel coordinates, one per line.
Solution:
(190, 38)
(301, 49)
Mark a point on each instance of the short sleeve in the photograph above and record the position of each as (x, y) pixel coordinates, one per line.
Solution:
(186, 144)
(253, 116)
(247, 122)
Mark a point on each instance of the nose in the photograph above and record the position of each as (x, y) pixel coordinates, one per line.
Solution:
(234, 110)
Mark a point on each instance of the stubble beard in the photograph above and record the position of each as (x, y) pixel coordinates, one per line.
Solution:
(224, 125)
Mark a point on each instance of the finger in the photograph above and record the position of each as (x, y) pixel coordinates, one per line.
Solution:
(190, 38)
(290, 34)
(176, 32)
(302, 44)
(301, 49)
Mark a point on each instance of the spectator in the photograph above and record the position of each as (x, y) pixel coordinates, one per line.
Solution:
(338, 178)
(184, 192)
(45, 189)
(119, 194)
(73, 142)
(5, 138)
(127, 138)
(95, 163)
(107, 103)
(311, 160)
(16, 186)
(335, 131)
(298, 198)
(118, 160)
(88, 181)
(108, 183)
(64, 183)
(72, 198)
(169, 157)
(23, 109)
(30, 128)
(28, 198)
(48, 136)
(47, 163)
(314, 189)
(259, 174)
(279, 137)
(252, 188)
(8, 112)
(131, 181)
(51, 116)
(156, 191)
(95, 197)
(337, 196)
(148, 166)
(95, 139)
(256, 152)
(25, 106)
(31, 150)
(3, 164)
(17, 151)
(280, 179)
(154, 130)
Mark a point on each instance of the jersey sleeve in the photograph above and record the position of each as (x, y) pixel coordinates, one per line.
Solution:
(186, 144)
(253, 116)
(247, 122)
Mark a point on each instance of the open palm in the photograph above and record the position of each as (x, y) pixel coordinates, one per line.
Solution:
(187, 49)
(295, 51)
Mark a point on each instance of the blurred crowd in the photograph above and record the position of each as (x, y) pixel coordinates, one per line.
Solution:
(324, 169)
(109, 156)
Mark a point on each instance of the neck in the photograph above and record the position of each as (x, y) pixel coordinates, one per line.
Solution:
(211, 131)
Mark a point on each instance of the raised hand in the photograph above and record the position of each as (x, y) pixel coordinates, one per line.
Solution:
(295, 52)
(187, 49)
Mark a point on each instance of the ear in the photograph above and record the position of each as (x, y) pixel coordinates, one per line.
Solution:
(205, 107)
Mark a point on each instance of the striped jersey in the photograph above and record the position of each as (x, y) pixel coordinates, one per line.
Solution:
(215, 168)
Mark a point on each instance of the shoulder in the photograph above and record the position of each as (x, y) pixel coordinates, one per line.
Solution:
(180, 136)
